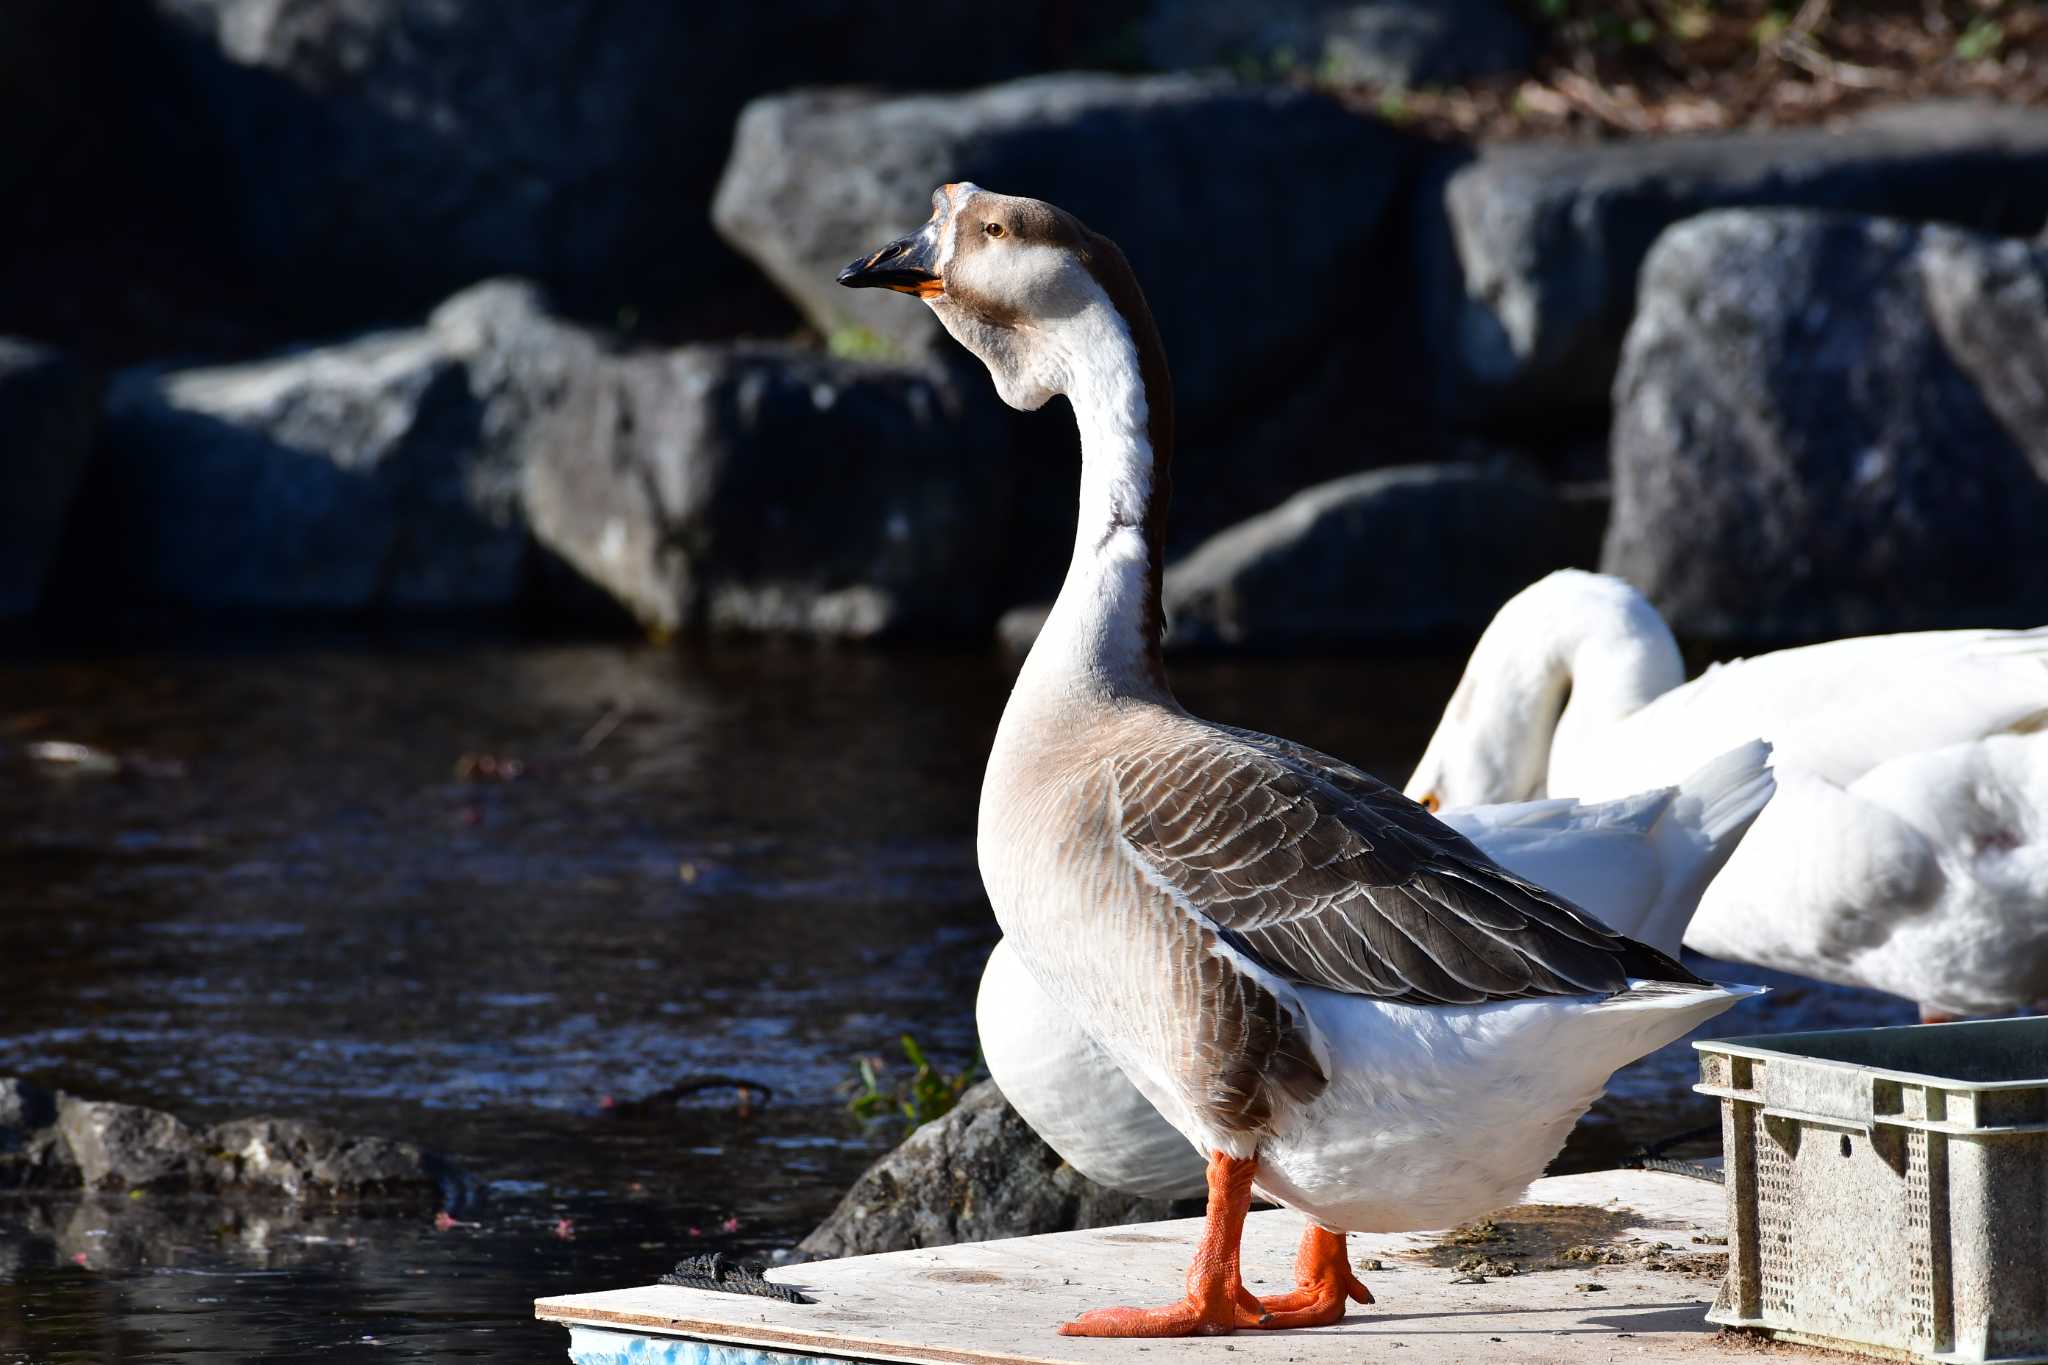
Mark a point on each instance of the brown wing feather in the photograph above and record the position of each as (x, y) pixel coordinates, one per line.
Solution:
(1329, 877)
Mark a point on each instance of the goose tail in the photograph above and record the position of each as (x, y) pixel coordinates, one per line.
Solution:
(1713, 808)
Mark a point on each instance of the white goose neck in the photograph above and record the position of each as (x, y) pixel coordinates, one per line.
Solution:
(1617, 655)
(1094, 645)
(1561, 662)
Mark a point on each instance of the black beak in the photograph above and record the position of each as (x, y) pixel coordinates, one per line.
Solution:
(905, 265)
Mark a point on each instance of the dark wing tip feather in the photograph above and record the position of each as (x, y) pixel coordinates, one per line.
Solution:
(1331, 878)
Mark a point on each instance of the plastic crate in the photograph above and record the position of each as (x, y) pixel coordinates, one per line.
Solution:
(1888, 1188)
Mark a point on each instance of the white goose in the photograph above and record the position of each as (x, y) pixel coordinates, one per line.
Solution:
(1331, 993)
(1907, 847)
(1639, 864)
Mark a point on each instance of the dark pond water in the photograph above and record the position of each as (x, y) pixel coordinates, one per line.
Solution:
(749, 862)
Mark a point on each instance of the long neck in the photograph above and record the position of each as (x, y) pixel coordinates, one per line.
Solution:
(1101, 641)
(1615, 666)
(1563, 660)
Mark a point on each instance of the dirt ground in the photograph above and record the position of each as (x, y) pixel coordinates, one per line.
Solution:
(1622, 68)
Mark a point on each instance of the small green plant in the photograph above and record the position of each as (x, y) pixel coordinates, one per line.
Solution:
(860, 343)
(1981, 39)
(927, 1093)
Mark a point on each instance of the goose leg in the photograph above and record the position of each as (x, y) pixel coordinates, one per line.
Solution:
(1323, 1279)
(1212, 1305)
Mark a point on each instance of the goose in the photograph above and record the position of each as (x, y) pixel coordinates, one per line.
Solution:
(1337, 998)
(1639, 864)
(1906, 849)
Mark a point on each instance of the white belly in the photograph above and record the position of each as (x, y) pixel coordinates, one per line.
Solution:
(1072, 1093)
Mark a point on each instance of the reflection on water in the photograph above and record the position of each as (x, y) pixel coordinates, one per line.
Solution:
(312, 890)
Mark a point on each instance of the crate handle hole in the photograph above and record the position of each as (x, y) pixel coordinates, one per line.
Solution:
(1847, 1146)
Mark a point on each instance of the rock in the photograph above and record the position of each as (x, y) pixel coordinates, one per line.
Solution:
(47, 406)
(748, 487)
(976, 1174)
(1529, 252)
(1273, 355)
(127, 1146)
(33, 1155)
(1412, 550)
(299, 1160)
(1831, 426)
(347, 477)
(108, 1146)
(1382, 42)
(375, 155)
(759, 488)
(1246, 212)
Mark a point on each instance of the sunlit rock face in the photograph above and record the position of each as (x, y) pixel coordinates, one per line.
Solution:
(1829, 426)
(1528, 253)
(976, 1174)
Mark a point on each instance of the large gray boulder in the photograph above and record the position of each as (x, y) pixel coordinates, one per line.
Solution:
(1246, 212)
(47, 405)
(764, 489)
(1828, 425)
(1528, 253)
(746, 487)
(1407, 551)
(977, 1174)
(377, 155)
(347, 477)
(1379, 42)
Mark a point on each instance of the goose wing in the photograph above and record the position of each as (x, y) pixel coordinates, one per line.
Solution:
(1327, 877)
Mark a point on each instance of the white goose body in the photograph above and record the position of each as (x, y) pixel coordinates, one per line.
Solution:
(1926, 877)
(1907, 847)
(1433, 1115)
(1332, 994)
(1639, 864)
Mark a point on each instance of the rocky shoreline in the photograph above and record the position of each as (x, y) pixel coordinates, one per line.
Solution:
(665, 413)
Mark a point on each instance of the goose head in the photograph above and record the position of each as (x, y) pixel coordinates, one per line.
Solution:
(1563, 659)
(1020, 283)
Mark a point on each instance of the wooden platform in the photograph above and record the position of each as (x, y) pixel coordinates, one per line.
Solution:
(1589, 1284)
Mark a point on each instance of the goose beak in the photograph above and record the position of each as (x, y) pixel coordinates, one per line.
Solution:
(905, 265)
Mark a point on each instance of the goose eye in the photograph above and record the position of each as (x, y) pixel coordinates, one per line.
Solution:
(993, 229)
(1430, 803)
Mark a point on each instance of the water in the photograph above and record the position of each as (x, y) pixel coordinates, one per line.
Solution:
(308, 892)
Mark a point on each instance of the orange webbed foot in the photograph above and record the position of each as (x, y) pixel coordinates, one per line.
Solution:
(1325, 1282)
(1187, 1318)
(1216, 1301)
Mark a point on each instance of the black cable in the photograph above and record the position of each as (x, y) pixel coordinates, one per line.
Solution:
(716, 1273)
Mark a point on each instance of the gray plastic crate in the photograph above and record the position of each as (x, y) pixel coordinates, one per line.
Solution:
(1888, 1188)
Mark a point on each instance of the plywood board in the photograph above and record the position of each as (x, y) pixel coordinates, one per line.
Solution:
(998, 1303)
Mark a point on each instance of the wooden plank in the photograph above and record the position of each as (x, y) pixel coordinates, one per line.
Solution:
(997, 1303)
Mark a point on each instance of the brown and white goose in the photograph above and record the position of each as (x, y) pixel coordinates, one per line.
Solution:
(1338, 999)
